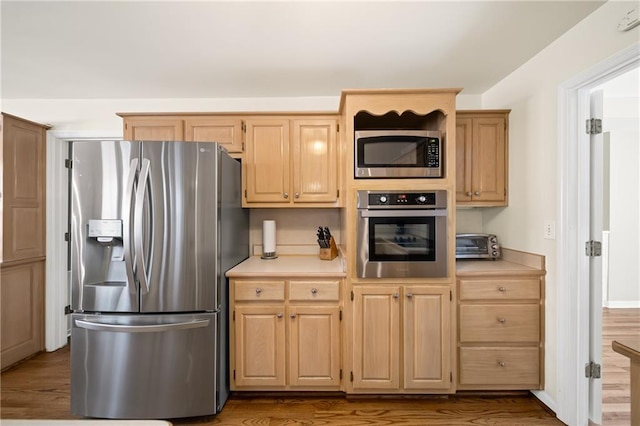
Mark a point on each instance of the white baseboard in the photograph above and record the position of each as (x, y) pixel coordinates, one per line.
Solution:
(546, 399)
(624, 304)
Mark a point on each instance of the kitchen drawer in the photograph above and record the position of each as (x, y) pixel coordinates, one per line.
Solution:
(511, 368)
(259, 290)
(314, 290)
(500, 289)
(499, 323)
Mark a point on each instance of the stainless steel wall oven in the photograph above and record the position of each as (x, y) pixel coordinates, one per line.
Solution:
(402, 234)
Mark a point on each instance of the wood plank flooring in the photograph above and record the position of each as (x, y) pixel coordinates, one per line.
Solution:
(39, 389)
(616, 389)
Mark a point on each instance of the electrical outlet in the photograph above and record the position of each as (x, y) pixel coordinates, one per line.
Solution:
(550, 230)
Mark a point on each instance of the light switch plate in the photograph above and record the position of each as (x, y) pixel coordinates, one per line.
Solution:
(550, 230)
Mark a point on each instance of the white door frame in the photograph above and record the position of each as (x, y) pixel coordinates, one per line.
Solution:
(57, 277)
(573, 266)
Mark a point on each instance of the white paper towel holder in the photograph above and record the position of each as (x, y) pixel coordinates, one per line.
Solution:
(268, 240)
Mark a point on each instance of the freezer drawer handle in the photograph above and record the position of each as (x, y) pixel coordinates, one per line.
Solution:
(156, 328)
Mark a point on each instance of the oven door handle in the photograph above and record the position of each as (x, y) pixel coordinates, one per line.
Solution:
(403, 213)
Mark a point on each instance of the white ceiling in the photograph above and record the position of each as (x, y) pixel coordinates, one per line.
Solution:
(214, 49)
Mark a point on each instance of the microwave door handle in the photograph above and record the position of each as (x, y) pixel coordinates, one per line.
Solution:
(403, 213)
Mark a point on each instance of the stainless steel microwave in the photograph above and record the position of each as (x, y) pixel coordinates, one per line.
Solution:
(398, 154)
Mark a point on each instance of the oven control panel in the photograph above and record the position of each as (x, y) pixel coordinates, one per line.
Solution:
(402, 199)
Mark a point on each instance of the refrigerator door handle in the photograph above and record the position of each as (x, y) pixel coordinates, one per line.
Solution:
(138, 225)
(154, 328)
(126, 226)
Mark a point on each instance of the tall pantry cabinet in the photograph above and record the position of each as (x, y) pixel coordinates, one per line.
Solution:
(23, 244)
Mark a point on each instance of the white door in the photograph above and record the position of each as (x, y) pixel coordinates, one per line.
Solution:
(595, 262)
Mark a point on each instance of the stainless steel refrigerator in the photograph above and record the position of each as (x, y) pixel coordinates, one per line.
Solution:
(154, 226)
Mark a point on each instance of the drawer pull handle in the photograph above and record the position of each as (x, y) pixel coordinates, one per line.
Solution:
(292, 316)
(502, 320)
(314, 290)
(396, 295)
(409, 295)
(258, 290)
(279, 315)
(476, 193)
(501, 363)
(502, 289)
(285, 195)
(469, 194)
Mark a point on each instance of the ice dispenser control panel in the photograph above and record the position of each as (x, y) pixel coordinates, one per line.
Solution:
(105, 230)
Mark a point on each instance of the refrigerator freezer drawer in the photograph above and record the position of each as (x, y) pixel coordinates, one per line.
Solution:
(143, 366)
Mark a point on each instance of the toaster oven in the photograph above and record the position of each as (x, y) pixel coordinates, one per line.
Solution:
(477, 246)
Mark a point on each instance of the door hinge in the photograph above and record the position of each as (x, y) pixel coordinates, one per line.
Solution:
(244, 127)
(68, 163)
(593, 248)
(450, 376)
(341, 374)
(340, 315)
(243, 146)
(234, 374)
(594, 126)
(351, 295)
(234, 315)
(450, 296)
(351, 376)
(66, 236)
(337, 193)
(592, 370)
(245, 193)
(67, 310)
(338, 127)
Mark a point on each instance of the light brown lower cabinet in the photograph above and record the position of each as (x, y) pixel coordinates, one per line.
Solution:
(22, 307)
(501, 332)
(401, 339)
(285, 334)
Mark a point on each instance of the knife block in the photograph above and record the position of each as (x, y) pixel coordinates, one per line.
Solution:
(331, 252)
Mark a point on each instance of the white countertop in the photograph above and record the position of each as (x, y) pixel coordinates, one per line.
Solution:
(290, 266)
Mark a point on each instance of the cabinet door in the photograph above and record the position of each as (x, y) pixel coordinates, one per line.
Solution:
(376, 346)
(259, 346)
(463, 159)
(22, 306)
(488, 170)
(314, 346)
(227, 131)
(23, 149)
(153, 129)
(267, 161)
(427, 341)
(315, 168)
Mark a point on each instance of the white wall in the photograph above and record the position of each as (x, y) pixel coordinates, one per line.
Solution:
(622, 121)
(531, 93)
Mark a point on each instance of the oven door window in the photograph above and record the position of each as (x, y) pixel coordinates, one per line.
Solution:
(402, 239)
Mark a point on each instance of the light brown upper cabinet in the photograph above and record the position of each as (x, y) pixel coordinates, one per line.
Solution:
(22, 158)
(224, 129)
(291, 162)
(482, 158)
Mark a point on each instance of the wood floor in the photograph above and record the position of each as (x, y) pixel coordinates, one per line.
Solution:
(616, 389)
(39, 389)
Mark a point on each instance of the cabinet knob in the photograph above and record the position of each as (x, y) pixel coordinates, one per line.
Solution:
(258, 290)
(501, 363)
(469, 194)
(502, 289)
(279, 315)
(476, 193)
(296, 195)
(409, 295)
(502, 320)
(314, 290)
(285, 195)
(292, 316)
(396, 295)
